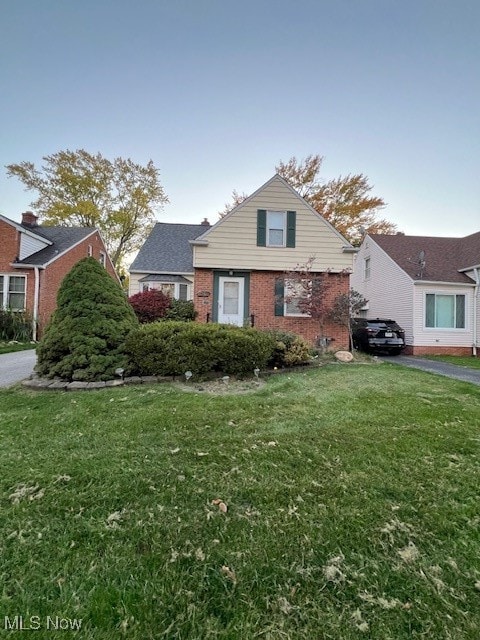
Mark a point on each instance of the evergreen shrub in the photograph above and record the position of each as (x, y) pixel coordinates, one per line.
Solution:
(290, 349)
(172, 348)
(85, 337)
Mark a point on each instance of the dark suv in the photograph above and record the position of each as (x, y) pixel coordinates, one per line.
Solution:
(377, 335)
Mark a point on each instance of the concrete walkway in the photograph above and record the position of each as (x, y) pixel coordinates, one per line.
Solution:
(436, 366)
(16, 366)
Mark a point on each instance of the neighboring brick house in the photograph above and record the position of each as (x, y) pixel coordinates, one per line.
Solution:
(34, 260)
(239, 266)
(429, 285)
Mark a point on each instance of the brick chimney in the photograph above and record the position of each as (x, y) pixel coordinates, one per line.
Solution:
(29, 219)
(205, 223)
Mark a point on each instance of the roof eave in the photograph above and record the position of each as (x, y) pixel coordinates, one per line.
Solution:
(444, 282)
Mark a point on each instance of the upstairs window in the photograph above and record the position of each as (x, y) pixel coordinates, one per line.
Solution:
(276, 228)
(444, 311)
(366, 269)
(102, 259)
(276, 231)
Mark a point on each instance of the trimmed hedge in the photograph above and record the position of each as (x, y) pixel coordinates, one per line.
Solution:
(172, 348)
(290, 349)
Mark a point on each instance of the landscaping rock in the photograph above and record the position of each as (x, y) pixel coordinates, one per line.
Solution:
(133, 380)
(114, 383)
(58, 385)
(76, 385)
(149, 379)
(96, 385)
(37, 383)
(344, 356)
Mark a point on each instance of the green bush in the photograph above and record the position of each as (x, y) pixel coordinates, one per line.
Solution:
(16, 325)
(172, 348)
(289, 350)
(85, 337)
(182, 310)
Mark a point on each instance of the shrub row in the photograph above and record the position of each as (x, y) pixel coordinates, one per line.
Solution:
(172, 348)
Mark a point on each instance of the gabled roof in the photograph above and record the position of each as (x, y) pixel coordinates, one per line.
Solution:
(60, 239)
(167, 249)
(203, 239)
(56, 240)
(444, 258)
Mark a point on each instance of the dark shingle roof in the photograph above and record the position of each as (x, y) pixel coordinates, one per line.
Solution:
(167, 249)
(444, 257)
(63, 238)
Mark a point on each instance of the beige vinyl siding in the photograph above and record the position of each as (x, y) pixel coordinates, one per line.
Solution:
(232, 243)
(426, 337)
(389, 290)
(29, 246)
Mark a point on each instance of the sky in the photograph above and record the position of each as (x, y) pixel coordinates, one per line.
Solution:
(217, 92)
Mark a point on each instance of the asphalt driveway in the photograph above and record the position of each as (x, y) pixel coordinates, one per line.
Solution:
(16, 366)
(435, 366)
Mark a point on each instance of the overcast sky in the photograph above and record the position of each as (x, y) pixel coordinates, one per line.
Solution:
(216, 92)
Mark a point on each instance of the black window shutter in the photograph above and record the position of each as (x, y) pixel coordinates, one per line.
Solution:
(291, 223)
(279, 296)
(261, 228)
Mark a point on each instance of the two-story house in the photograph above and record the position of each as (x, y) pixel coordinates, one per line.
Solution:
(241, 267)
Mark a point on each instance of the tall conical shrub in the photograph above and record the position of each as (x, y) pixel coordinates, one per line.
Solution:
(85, 337)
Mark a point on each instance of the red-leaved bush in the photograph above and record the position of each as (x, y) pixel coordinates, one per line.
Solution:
(150, 305)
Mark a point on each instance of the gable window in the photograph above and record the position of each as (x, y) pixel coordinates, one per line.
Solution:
(102, 259)
(12, 292)
(444, 311)
(366, 269)
(89, 251)
(276, 228)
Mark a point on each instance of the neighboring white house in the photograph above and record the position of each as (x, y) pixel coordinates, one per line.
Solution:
(429, 285)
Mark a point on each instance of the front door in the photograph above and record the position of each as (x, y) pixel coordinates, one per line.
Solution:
(231, 298)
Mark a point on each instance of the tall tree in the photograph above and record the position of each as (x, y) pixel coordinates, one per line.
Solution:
(118, 196)
(344, 201)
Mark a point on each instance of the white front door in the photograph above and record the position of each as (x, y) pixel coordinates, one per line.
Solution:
(231, 292)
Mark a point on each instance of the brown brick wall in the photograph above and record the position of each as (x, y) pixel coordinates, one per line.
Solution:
(438, 351)
(262, 306)
(52, 276)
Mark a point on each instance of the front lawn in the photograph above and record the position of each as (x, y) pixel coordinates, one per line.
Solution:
(338, 503)
(461, 361)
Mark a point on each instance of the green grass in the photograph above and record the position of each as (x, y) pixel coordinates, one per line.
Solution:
(461, 361)
(352, 496)
(10, 347)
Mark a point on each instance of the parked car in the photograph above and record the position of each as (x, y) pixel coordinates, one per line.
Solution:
(377, 334)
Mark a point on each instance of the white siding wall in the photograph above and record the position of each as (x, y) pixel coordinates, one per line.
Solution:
(233, 243)
(389, 290)
(29, 246)
(426, 337)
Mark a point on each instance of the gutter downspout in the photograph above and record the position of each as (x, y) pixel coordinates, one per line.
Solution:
(35, 302)
(476, 300)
